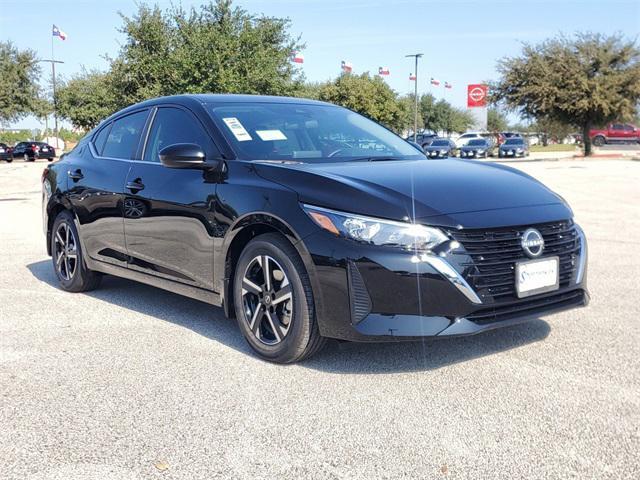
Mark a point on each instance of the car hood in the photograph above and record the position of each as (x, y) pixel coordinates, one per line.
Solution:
(446, 191)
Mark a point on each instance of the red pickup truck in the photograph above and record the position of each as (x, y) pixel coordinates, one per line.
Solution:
(615, 133)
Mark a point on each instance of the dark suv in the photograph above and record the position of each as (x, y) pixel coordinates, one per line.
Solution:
(307, 221)
(30, 151)
(6, 152)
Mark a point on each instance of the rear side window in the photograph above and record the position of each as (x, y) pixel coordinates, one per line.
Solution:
(124, 136)
(99, 139)
(174, 125)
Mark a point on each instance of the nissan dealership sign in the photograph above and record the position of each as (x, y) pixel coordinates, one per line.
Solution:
(476, 95)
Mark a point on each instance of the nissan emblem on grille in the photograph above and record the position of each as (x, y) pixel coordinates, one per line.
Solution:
(532, 243)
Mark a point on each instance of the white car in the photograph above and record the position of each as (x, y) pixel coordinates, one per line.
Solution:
(465, 138)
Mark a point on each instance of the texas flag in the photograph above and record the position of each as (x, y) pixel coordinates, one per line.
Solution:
(435, 82)
(346, 66)
(59, 33)
(447, 85)
(412, 77)
(298, 57)
(383, 71)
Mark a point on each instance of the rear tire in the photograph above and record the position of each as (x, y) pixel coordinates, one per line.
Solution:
(66, 255)
(598, 141)
(282, 328)
(25, 157)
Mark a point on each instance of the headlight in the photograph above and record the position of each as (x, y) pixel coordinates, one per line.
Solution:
(443, 151)
(480, 151)
(376, 231)
(518, 150)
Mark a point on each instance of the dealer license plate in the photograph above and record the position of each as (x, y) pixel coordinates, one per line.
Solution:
(537, 276)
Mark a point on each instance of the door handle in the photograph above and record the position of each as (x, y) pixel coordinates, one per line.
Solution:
(136, 185)
(75, 175)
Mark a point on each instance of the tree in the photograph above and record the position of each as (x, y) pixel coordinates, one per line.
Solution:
(19, 90)
(368, 95)
(216, 48)
(87, 98)
(496, 120)
(587, 80)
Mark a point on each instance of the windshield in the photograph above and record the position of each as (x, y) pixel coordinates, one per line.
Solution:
(514, 141)
(440, 143)
(285, 131)
(477, 143)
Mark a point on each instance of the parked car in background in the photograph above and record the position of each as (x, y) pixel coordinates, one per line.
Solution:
(300, 218)
(477, 148)
(514, 147)
(440, 148)
(30, 151)
(615, 133)
(423, 139)
(465, 138)
(6, 153)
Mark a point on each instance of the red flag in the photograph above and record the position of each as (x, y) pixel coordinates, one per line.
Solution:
(346, 66)
(298, 57)
(435, 82)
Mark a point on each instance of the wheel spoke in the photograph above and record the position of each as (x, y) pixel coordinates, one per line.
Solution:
(66, 228)
(67, 267)
(256, 320)
(249, 287)
(283, 294)
(275, 325)
(59, 238)
(266, 271)
(59, 258)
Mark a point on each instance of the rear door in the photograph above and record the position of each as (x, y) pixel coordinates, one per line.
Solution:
(96, 177)
(169, 213)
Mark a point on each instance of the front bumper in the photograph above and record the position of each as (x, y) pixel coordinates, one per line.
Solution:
(367, 293)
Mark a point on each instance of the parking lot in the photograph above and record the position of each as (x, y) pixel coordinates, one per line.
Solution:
(131, 382)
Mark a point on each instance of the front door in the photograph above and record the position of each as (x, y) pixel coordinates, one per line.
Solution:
(168, 213)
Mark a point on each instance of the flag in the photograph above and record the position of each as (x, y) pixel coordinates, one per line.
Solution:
(346, 66)
(435, 82)
(298, 57)
(59, 33)
(447, 85)
(412, 77)
(383, 71)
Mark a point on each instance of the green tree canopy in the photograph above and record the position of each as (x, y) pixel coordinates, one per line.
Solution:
(368, 95)
(586, 80)
(496, 120)
(87, 98)
(19, 90)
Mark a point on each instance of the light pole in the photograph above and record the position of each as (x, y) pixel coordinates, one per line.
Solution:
(415, 99)
(53, 80)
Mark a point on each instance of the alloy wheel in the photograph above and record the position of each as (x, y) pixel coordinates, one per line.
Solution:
(65, 251)
(267, 300)
(25, 157)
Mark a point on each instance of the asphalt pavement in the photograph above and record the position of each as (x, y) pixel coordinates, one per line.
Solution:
(131, 382)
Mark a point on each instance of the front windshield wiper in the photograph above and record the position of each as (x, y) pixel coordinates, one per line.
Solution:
(375, 159)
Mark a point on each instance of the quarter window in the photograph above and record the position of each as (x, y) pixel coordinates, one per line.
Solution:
(171, 126)
(124, 136)
(98, 143)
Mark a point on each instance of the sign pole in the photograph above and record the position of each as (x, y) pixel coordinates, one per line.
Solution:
(415, 94)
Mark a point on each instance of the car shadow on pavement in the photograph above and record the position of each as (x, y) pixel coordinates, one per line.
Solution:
(337, 357)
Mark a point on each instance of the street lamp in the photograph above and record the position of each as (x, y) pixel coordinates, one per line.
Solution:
(415, 93)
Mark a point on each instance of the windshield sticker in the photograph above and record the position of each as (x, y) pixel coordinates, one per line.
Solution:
(237, 129)
(266, 135)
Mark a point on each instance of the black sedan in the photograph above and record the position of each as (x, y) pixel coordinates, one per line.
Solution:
(306, 221)
(30, 151)
(514, 147)
(440, 148)
(6, 152)
(478, 148)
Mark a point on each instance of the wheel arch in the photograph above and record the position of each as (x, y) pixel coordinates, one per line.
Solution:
(244, 230)
(56, 205)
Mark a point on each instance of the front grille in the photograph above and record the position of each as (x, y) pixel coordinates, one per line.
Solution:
(528, 307)
(495, 252)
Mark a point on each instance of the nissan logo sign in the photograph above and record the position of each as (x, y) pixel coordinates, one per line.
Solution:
(532, 243)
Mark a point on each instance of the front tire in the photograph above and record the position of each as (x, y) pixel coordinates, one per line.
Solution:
(274, 301)
(25, 157)
(66, 254)
(599, 141)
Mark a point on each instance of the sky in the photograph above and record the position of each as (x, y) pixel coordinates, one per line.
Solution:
(461, 40)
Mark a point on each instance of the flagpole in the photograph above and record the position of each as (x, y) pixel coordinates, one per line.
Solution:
(53, 81)
(415, 93)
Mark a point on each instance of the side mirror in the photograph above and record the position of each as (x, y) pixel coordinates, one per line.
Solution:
(186, 155)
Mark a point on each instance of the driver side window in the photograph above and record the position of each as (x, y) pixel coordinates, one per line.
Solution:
(173, 125)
